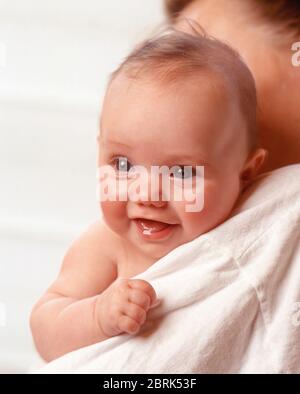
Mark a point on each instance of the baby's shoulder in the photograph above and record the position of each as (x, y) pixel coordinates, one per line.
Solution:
(90, 263)
(98, 240)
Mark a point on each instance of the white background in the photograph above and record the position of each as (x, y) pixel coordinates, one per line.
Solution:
(58, 55)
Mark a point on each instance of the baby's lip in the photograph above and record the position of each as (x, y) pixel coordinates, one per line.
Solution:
(153, 229)
(153, 220)
(152, 225)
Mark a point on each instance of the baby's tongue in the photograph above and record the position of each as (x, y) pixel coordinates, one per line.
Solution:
(152, 225)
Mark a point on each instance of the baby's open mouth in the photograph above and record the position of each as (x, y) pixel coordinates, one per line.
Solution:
(153, 229)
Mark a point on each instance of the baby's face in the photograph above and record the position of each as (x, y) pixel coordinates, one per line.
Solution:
(194, 122)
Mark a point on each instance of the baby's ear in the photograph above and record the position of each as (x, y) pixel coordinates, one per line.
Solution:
(253, 165)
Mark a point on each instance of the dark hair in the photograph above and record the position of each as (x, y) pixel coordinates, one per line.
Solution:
(176, 54)
(284, 12)
(174, 7)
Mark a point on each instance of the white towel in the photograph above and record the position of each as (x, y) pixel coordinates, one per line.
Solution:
(230, 298)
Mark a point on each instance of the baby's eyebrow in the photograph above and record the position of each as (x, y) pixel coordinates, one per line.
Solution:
(182, 159)
(113, 142)
(169, 159)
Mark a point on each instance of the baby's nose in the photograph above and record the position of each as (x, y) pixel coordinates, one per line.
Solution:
(151, 193)
(157, 204)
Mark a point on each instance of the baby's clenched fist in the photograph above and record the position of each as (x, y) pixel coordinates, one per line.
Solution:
(123, 306)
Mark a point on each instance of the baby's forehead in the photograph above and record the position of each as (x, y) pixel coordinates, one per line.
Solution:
(193, 88)
(186, 98)
(170, 80)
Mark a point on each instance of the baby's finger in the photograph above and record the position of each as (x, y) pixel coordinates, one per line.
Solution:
(156, 303)
(140, 298)
(135, 312)
(143, 286)
(128, 325)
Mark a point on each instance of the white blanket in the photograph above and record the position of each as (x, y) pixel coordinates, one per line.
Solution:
(230, 298)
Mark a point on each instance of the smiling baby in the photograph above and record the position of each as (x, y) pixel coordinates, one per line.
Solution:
(179, 101)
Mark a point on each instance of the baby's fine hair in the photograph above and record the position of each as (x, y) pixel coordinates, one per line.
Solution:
(173, 55)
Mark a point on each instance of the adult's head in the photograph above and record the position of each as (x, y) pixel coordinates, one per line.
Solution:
(263, 32)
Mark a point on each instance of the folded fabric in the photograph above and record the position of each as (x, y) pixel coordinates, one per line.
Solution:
(230, 299)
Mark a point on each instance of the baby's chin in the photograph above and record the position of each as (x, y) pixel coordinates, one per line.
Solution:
(157, 244)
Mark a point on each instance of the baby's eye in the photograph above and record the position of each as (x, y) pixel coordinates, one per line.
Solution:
(122, 164)
(182, 172)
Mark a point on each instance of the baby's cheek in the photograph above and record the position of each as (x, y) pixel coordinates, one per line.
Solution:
(219, 199)
(114, 214)
(194, 223)
(217, 203)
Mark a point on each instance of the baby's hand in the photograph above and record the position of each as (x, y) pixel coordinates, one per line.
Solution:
(123, 306)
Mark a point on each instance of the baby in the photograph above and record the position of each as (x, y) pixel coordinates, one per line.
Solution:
(182, 101)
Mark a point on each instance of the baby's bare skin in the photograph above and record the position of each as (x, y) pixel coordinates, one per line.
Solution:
(89, 286)
(93, 297)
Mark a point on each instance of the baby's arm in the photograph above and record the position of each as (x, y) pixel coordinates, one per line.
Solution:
(86, 304)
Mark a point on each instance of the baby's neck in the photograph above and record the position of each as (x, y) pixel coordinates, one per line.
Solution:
(132, 261)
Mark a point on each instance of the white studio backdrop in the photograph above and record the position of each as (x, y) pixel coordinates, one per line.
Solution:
(55, 57)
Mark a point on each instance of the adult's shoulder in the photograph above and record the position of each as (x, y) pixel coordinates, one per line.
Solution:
(266, 227)
(268, 209)
(275, 189)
